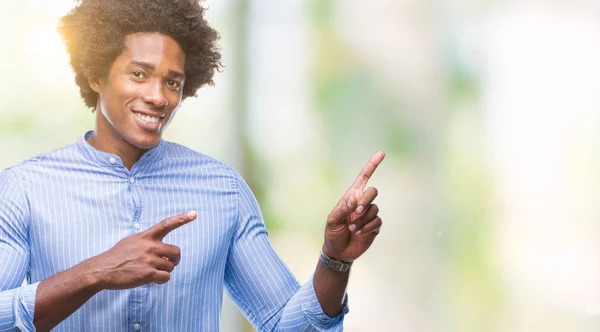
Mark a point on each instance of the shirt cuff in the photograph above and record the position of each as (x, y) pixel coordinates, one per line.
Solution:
(24, 305)
(314, 312)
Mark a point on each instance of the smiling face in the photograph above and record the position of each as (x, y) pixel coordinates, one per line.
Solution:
(139, 96)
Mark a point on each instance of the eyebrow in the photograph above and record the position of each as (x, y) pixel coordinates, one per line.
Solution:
(149, 66)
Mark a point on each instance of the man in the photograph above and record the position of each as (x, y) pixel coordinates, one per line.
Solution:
(93, 226)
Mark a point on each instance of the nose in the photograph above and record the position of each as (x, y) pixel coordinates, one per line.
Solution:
(154, 94)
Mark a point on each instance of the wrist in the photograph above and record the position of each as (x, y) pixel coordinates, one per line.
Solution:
(90, 278)
(334, 255)
(334, 264)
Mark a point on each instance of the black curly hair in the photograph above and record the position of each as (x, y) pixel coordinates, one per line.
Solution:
(94, 33)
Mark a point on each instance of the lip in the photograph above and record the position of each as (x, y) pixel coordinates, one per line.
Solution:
(150, 113)
(153, 127)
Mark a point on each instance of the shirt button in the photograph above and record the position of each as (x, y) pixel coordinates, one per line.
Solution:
(132, 179)
(112, 161)
(137, 327)
(136, 226)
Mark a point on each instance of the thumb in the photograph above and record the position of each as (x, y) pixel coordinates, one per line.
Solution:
(342, 210)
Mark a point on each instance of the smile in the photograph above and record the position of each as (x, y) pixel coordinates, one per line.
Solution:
(147, 118)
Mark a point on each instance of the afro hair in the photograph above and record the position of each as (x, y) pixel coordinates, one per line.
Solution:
(94, 33)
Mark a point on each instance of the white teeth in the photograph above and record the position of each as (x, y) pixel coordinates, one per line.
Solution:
(147, 118)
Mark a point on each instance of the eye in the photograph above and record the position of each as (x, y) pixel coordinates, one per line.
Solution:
(138, 74)
(174, 85)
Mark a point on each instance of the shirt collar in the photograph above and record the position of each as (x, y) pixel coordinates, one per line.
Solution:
(109, 159)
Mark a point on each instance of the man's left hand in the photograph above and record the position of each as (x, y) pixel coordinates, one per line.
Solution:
(353, 223)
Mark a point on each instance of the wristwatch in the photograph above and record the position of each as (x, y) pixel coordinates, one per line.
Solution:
(333, 264)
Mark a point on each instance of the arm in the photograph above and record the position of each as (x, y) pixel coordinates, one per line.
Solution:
(350, 230)
(330, 288)
(262, 286)
(56, 297)
(16, 302)
(62, 294)
(133, 261)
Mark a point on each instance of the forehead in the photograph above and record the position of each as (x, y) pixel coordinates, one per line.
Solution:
(154, 48)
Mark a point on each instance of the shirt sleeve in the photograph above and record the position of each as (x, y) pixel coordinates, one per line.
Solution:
(17, 302)
(262, 286)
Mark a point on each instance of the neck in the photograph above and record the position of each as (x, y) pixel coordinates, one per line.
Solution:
(105, 139)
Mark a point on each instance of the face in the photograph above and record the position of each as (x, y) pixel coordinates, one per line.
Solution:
(141, 93)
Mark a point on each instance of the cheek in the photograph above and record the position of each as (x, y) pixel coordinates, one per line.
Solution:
(172, 115)
(107, 107)
(126, 90)
(116, 96)
(174, 98)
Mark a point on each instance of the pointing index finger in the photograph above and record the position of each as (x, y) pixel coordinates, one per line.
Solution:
(164, 227)
(367, 171)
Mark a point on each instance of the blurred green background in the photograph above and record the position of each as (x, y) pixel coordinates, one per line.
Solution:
(488, 112)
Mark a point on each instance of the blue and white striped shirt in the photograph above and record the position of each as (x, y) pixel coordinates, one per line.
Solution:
(60, 208)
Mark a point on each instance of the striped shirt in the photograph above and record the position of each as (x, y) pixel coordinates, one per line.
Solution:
(60, 208)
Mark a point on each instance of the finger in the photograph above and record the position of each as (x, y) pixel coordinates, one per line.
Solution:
(169, 252)
(162, 264)
(160, 277)
(354, 194)
(369, 215)
(367, 171)
(367, 198)
(342, 210)
(161, 229)
(371, 226)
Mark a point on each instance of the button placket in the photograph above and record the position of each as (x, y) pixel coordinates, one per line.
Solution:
(136, 304)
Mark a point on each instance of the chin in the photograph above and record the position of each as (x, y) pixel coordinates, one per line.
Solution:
(145, 142)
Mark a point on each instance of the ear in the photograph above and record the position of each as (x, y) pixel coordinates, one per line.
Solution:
(95, 84)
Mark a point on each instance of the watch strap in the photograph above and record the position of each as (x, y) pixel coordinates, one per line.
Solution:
(333, 264)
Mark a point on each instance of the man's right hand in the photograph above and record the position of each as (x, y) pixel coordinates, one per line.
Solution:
(141, 258)
(134, 261)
